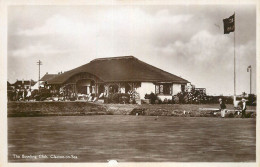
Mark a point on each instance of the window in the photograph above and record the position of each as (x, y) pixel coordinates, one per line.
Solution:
(161, 89)
(157, 89)
(165, 89)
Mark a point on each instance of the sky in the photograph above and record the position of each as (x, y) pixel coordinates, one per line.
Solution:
(185, 40)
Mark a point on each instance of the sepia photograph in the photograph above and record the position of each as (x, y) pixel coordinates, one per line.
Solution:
(117, 83)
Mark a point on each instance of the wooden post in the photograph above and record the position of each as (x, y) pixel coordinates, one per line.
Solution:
(95, 89)
(131, 86)
(76, 90)
(73, 90)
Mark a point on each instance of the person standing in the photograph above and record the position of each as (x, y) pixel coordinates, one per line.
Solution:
(243, 107)
(222, 107)
(28, 96)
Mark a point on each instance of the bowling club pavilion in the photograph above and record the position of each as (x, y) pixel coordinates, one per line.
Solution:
(104, 76)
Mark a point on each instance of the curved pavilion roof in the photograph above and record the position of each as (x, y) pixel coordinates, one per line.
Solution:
(47, 77)
(120, 69)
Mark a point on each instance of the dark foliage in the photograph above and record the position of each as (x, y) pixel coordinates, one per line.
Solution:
(153, 97)
(251, 100)
(122, 98)
(215, 99)
(42, 95)
(199, 97)
(138, 111)
(193, 97)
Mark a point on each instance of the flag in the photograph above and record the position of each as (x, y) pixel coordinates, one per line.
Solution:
(248, 68)
(229, 24)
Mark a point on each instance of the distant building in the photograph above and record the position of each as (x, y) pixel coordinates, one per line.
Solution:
(201, 90)
(43, 81)
(23, 84)
(117, 75)
(10, 87)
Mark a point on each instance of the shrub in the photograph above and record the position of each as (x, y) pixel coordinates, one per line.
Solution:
(117, 98)
(249, 115)
(124, 98)
(215, 99)
(153, 97)
(176, 99)
(133, 101)
(113, 98)
(165, 101)
(105, 100)
(34, 93)
(231, 115)
(192, 97)
(42, 95)
(170, 101)
(72, 98)
(251, 100)
(139, 111)
(147, 96)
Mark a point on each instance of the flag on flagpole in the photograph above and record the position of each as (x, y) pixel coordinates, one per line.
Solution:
(229, 24)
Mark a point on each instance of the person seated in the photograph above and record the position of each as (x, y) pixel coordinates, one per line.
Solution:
(90, 98)
(95, 99)
(101, 95)
(88, 95)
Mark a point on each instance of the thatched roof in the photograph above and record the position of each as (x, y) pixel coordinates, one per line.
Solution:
(120, 69)
(47, 77)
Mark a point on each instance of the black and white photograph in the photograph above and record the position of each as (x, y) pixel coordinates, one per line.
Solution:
(119, 83)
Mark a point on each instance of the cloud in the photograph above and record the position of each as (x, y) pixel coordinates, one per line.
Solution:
(33, 50)
(108, 32)
(203, 47)
(57, 25)
(180, 39)
(207, 60)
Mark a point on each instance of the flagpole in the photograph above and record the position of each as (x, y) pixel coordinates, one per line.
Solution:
(234, 60)
(229, 26)
(250, 80)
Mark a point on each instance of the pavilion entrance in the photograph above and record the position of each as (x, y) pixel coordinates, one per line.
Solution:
(85, 86)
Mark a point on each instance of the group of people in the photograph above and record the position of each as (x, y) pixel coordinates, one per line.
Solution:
(242, 106)
(19, 95)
